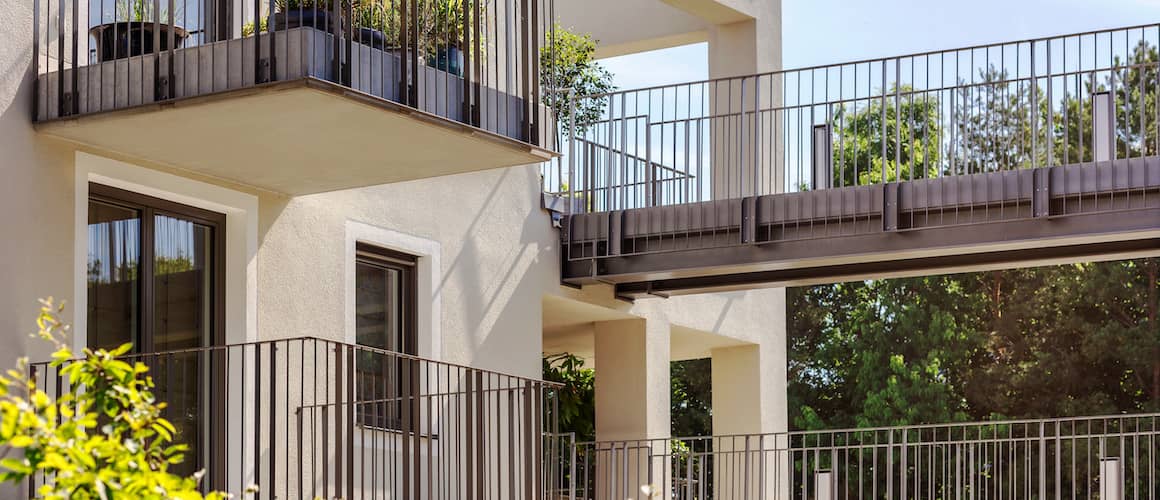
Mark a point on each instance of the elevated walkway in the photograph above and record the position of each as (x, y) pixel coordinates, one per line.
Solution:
(1022, 153)
(997, 219)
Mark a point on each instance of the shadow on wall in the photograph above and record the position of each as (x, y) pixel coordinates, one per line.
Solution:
(500, 304)
(39, 182)
(724, 313)
(494, 275)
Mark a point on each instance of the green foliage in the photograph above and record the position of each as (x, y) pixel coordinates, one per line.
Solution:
(691, 382)
(1023, 343)
(287, 5)
(858, 141)
(577, 399)
(104, 438)
(248, 28)
(568, 72)
(142, 10)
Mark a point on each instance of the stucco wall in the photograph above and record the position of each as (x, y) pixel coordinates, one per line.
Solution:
(497, 258)
(35, 196)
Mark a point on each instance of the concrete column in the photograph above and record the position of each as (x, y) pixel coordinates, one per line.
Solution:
(746, 152)
(632, 405)
(749, 407)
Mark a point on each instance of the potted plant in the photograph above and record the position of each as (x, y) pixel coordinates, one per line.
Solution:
(376, 23)
(369, 19)
(290, 14)
(445, 34)
(132, 31)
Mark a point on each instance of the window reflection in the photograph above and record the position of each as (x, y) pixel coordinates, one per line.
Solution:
(113, 265)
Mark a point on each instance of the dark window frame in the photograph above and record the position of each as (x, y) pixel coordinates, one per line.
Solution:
(407, 266)
(147, 207)
(388, 415)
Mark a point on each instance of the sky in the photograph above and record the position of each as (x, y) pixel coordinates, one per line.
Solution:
(817, 32)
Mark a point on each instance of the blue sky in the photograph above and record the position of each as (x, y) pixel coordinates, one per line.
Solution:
(830, 31)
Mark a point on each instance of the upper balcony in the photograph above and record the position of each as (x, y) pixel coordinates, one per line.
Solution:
(298, 96)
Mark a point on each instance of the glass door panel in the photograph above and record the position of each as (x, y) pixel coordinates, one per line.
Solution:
(114, 258)
(182, 319)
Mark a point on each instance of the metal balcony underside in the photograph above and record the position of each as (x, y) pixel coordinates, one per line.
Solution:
(956, 223)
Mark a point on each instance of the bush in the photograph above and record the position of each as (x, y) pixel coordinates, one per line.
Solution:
(104, 438)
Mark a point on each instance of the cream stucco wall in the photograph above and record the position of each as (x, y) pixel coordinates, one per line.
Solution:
(35, 195)
(496, 249)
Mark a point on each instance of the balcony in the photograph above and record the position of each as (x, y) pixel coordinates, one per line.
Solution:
(312, 418)
(1018, 153)
(325, 95)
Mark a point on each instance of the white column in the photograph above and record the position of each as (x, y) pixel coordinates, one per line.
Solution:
(744, 159)
(1111, 479)
(749, 407)
(632, 405)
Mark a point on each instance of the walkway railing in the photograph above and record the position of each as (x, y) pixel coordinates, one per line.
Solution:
(472, 61)
(1110, 457)
(1031, 103)
(312, 418)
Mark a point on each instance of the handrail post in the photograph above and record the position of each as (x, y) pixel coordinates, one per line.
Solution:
(1034, 109)
(1042, 460)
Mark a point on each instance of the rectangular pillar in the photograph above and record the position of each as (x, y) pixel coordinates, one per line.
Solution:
(1111, 479)
(823, 158)
(1103, 127)
(825, 485)
(749, 408)
(746, 158)
(632, 406)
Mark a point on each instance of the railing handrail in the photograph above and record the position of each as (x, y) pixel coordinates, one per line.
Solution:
(310, 338)
(928, 53)
(896, 428)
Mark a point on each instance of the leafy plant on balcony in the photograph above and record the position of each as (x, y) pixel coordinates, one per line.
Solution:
(440, 24)
(569, 74)
(102, 438)
(143, 10)
(285, 5)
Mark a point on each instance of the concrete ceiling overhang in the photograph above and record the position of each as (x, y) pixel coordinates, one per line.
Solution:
(631, 26)
(568, 327)
(295, 137)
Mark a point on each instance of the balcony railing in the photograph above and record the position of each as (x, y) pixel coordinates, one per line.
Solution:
(475, 62)
(312, 418)
(1111, 457)
(1012, 131)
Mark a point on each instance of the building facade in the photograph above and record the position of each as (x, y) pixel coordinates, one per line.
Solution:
(337, 235)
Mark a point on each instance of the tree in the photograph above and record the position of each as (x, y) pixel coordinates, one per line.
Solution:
(691, 402)
(577, 399)
(882, 352)
(910, 131)
(103, 438)
(569, 74)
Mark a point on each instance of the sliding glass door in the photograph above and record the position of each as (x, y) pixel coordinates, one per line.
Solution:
(154, 269)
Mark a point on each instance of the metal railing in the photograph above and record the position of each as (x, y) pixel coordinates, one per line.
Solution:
(1038, 128)
(472, 61)
(312, 418)
(1109, 457)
